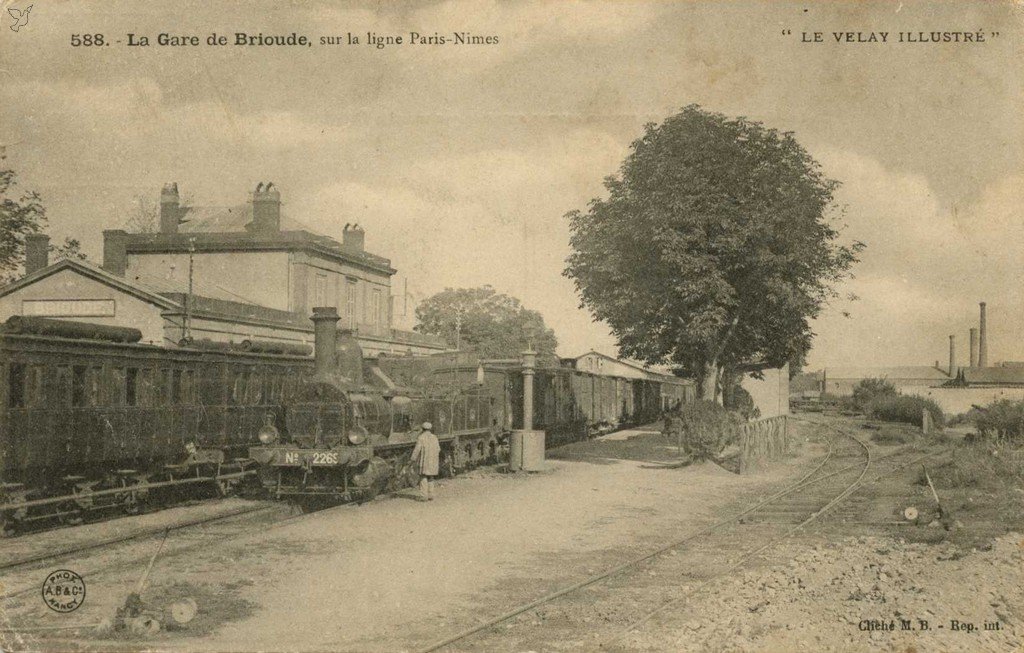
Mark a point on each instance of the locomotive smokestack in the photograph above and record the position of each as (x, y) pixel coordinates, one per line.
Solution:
(325, 338)
(982, 339)
(974, 347)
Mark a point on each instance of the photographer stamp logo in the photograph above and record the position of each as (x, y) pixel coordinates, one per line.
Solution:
(63, 591)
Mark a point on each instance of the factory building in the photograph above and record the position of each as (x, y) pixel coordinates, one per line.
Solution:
(220, 273)
(840, 381)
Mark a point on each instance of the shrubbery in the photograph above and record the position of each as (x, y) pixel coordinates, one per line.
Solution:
(707, 428)
(903, 408)
(739, 400)
(869, 390)
(1002, 419)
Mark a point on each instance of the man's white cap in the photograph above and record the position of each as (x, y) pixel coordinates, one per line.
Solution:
(427, 426)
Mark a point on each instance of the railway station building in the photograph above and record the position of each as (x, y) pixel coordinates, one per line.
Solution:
(253, 272)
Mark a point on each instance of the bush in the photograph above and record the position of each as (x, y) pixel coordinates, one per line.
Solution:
(1002, 419)
(707, 428)
(903, 408)
(870, 389)
(739, 400)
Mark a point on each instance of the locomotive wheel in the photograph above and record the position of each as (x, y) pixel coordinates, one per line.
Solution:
(131, 504)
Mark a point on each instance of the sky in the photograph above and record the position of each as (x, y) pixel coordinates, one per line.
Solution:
(462, 161)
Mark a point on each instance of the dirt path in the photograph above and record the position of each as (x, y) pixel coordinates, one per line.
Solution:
(395, 572)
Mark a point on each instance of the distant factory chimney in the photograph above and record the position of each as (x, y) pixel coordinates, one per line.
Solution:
(952, 356)
(982, 340)
(974, 347)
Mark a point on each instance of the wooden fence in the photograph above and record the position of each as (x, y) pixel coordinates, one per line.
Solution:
(762, 441)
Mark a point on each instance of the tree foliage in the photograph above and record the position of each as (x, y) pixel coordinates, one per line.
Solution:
(713, 247)
(145, 217)
(21, 214)
(493, 324)
(867, 390)
(69, 249)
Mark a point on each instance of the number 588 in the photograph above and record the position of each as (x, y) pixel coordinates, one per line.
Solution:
(86, 40)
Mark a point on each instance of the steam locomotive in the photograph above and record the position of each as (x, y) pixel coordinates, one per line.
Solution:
(341, 438)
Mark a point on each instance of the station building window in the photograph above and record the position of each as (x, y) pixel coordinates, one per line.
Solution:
(320, 290)
(376, 308)
(351, 288)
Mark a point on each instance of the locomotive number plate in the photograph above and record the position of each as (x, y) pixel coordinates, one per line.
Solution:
(298, 458)
(325, 458)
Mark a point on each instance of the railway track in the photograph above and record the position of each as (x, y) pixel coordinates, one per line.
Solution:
(189, 535)
(628, 600)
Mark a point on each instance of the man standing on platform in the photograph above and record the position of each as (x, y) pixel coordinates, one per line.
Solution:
(426, 456)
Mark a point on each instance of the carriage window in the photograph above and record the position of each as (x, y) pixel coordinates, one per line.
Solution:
(188, 387)
(93, 378)
(16, 385)
(176, 395)
(34, 385)
(165, 387)
(143, 386)
(237, 387)
(131, 386)
(78, 386)
(254, 387)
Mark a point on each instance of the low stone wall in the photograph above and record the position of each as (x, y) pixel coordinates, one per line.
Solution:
(763, 441)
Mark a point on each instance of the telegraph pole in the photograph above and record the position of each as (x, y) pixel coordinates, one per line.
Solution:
(188, 297)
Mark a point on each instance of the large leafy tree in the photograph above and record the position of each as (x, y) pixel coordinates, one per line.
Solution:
(21, 214)
(493, 324)
(714, 247)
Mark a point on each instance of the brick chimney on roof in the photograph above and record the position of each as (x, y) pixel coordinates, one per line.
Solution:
(266, 209)
(115, 254)
(353, 238)
(37, 252)
(170, 209)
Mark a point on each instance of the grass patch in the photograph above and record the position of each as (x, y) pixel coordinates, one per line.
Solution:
(979, 465)
(904, 408)
(890, 437)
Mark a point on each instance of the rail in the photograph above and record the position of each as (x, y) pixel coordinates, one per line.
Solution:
(631, 564)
